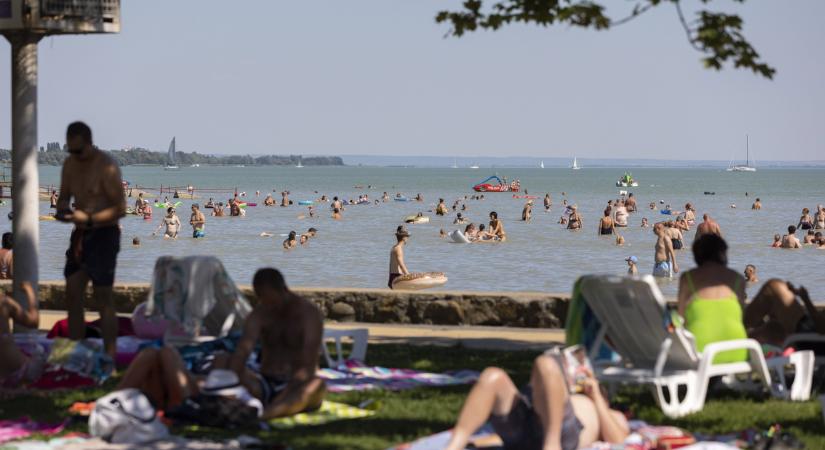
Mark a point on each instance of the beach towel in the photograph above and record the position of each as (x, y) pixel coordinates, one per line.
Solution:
(85, 358)
(197, 293)
(328, 412)
(22, 428)
(356, 376)
(581, 326)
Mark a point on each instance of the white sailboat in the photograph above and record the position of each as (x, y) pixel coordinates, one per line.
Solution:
(171, 162)
(575, 165)
(747, 167)
(455, 163)
(474, 166)
(541, 165)
(300, 165)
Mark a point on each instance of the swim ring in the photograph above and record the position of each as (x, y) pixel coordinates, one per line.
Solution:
(305, 202)
(401, 199)
(416, 219)
(419, 280)
(458, 237)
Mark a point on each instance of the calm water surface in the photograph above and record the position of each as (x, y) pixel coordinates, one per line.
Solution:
(539, 256)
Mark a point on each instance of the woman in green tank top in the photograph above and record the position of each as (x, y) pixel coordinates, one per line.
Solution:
(711, 298)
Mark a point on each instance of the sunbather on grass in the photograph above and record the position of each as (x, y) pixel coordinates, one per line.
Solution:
(289, 329)
(543, 416)
(12, 360)
(162, 376)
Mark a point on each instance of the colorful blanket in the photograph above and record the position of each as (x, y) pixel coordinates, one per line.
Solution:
(22, 428)
(329, 412)
(359, 377)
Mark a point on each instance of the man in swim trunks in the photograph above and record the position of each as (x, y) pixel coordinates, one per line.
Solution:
(664, 257)
(289, 329)
(91, 180)
(790, 240)
(708, 226)
(198, 221)
(397, 266)
(675, 235)
(545, 414)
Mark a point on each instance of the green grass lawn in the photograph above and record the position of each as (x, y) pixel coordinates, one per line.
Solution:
(404, 416)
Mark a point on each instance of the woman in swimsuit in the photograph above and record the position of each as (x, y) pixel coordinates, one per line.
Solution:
(819, 218)
(606, 225)
(525, 419)
(690, 214)
(574, 221)
(806, 222)
(172, 224)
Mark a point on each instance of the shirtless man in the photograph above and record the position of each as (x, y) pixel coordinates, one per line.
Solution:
(310, 233)
(664, 256)
(397, 266)
(290, 242)
(548, 202)
(217, 210)
(675, 235)
(496, 227)
(91, 181)
(336, 204)
(289, 329)
(12, 360)
(172, 224)
(790, 240)
(285, 198)
(708, 226)
(757, 205)
(198, 221)
(53, 199)
(630, 203)
(750, 274)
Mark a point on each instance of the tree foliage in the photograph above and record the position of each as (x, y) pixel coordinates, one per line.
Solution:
(718, 36)
(52, 156)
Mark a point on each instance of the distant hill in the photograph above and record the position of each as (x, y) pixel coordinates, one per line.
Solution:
(53, 155)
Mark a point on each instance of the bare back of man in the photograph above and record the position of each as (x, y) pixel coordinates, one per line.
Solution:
(290, 330)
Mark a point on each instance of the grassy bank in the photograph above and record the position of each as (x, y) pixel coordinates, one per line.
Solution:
(404, 416)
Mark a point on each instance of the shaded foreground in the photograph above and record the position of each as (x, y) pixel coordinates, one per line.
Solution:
(407, 415)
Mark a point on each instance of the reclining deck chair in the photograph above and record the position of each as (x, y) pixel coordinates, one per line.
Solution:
(632, 313)
(197, 296)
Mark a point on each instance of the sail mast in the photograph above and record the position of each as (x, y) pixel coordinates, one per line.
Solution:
(747, 150)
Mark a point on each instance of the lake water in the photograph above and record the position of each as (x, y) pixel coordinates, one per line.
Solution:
(539, 256)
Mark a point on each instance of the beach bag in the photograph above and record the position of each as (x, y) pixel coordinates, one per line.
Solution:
(126, 417)
(216, 411)
(85, 358)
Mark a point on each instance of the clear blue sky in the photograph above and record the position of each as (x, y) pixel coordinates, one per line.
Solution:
(378, 77)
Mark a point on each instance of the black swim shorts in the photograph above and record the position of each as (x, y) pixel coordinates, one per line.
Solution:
(270, 387)
(95, 252)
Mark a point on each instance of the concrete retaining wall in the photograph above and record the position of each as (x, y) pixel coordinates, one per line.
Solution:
(516, 309)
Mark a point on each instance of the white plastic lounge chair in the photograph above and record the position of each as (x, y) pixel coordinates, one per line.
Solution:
(632, 313)
(359, 337)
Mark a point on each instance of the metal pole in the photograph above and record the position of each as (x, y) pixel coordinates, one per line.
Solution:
(25, 202)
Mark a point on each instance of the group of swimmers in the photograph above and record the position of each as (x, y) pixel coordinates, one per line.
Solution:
(293, 240)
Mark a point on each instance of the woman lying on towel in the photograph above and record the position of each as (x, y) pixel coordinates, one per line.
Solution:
(13, 362)
(545, 415)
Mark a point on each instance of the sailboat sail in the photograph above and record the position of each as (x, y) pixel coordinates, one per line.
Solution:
(747, 167)
(171, 156)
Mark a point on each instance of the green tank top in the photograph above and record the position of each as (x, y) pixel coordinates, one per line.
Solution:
(715, 320)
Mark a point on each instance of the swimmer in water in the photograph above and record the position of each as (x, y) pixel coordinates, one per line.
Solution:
(757, 205)
(336, 214)
(527, 212)
(574, 220)
(172, 224)
(496, 227)
(777, 241)
(606, 225)
(548, 202)
(790, 240)
(750, 274)
(290, 242)
(135, 241)
(198, 221)
(645, 224)
(397, 266)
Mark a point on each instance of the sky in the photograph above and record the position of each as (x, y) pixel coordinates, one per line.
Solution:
(378, 77)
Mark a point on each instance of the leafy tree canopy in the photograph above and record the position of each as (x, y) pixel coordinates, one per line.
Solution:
(718, 36)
